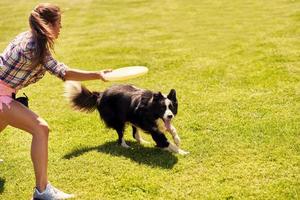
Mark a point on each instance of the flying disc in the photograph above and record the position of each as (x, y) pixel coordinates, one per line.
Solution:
(125, 73)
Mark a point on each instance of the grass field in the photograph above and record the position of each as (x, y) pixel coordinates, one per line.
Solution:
(236, 69)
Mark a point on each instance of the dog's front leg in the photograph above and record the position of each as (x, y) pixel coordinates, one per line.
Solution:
(174, 134)
(159, 138)
(162, 142)
(173, 148)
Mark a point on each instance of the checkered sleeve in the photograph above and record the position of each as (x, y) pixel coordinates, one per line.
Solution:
(54, 67)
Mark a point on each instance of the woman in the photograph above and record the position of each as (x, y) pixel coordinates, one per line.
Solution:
(23, 62)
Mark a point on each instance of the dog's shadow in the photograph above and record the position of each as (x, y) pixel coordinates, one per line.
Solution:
(2, 182)
(151, 156)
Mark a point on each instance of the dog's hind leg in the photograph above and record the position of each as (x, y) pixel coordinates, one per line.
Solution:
(121, 140)
(136, 135)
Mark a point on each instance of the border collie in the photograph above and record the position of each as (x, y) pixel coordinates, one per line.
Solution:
(121, 104)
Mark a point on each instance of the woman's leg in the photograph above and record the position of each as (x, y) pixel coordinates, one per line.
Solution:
(3, 125)
(21, 117)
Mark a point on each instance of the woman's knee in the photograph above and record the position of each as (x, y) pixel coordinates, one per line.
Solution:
(42, 129)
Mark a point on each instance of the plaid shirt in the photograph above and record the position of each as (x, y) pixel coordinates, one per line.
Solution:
(16, 68)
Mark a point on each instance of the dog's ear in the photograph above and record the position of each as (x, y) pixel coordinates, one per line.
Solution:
(157, 96)
(172, 95)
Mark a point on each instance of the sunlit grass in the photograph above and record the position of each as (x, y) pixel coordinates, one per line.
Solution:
(235, 67)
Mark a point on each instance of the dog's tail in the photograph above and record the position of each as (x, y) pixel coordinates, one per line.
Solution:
(80, 97)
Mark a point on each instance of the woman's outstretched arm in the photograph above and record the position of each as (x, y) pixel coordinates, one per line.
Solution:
(82, 75)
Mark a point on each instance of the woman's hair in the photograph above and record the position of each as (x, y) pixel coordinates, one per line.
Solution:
(39, 20)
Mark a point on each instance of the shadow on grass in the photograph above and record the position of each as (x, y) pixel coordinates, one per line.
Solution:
(151, 156)
(2, 181)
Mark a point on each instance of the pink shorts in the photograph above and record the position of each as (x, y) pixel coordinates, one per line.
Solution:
(5, 94)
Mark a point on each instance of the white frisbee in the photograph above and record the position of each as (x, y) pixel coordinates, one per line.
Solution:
(125, 73)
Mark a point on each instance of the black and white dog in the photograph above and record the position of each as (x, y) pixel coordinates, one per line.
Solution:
(121, 104)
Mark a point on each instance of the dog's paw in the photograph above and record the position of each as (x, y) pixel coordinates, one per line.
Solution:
(123, 144)
(177, 140)
(142, 141)
(174, 149)
(182, 152)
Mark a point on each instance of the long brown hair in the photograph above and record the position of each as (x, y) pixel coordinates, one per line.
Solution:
(40, 18)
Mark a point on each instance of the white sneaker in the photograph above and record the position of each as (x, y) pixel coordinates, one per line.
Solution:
(50, 193)
(1, 161)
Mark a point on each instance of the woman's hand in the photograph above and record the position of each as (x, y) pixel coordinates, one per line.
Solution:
(102, 74)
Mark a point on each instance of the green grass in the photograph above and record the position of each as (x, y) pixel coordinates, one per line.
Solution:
(235, 66)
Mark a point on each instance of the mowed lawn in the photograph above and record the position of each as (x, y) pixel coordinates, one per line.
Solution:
(236, 69)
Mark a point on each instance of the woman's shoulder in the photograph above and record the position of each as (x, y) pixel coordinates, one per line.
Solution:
(25, 41)
(28, 41)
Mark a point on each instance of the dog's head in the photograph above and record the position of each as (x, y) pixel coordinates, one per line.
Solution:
(165, 106)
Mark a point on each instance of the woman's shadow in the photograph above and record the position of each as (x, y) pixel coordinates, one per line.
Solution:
(143, 155)
(2, 181)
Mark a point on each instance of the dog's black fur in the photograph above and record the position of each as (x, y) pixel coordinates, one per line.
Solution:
(121, 104)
